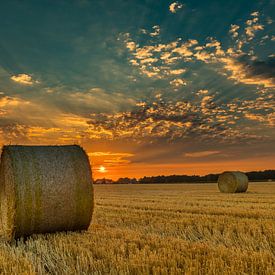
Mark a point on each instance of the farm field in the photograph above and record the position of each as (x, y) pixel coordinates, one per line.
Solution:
(159, 229)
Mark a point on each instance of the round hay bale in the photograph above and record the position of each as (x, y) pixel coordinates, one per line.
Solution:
(233, 182)
(44, 189)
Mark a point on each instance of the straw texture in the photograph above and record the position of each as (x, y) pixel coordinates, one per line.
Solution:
(233, 182)
(44, 189)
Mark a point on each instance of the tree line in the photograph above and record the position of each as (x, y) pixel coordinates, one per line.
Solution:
(266, 175)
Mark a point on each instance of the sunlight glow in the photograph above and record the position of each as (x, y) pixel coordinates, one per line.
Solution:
(102, 169)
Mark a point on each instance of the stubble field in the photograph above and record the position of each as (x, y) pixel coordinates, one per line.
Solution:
(159, 229)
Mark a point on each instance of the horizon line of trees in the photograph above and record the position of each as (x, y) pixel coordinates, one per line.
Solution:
(266, 175)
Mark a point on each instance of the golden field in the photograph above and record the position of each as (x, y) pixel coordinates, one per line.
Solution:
(159, 229)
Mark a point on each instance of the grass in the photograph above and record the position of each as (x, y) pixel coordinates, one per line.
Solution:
(159, 229)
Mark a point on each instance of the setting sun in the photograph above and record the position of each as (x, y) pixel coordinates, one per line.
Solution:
(102, 169)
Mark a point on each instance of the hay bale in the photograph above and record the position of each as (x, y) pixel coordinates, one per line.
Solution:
(44, 189)
(233, 182)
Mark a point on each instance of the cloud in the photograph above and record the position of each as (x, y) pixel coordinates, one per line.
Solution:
(251, 30)
(144, 52)
(161, 61)
(7, 102)
(177, 71)
(251, 72)
(234, 30)
(131, 45)
(156, 61)
(16, 108)
(201, 154)
(170, 120)
(255, 13)
(23, 121)
(175, 6)
(202, 92)
(110, 159)
(175, 120)
(103, 154)
(23, 79)
(156, 31)
(184, 49)
(260, 110)
(62, 119)
(97, 114)
(148, 60)
(252, 26)
(178, 82)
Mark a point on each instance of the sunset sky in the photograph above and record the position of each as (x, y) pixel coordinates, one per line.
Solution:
(147, 87)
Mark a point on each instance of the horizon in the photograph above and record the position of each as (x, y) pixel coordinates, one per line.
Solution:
(145, 87)
(189, 175)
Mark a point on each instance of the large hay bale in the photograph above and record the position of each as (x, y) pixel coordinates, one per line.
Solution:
(44, 189)
(233, 182)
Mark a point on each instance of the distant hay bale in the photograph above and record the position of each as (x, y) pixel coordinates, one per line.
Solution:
(44, 189)
(233, 182)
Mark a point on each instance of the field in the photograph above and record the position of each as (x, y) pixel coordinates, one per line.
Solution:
(159, 229)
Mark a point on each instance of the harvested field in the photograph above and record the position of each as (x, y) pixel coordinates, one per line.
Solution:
(159, 229)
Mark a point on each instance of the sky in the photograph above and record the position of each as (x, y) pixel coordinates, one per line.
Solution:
(147, 87)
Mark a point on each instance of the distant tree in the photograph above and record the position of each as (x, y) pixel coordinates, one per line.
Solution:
(123, 180)
(134, 181)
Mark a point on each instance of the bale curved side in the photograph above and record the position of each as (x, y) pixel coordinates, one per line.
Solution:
(45, 189)
(232, 182)
(242, 182)
(7, 197)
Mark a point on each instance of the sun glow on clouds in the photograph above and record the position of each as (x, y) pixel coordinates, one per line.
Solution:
(7, 102)
(24, 79)
(111, 158)
(175, 6)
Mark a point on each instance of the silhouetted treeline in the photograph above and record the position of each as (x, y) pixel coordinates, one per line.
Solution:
(261, 175)
(252, 176)
(180, 178)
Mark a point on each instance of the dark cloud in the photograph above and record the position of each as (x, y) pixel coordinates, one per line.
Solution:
(264, 69)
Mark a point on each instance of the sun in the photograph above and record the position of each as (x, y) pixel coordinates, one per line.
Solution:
(102, 169)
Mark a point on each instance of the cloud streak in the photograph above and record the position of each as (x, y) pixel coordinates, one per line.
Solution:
(201, 154)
